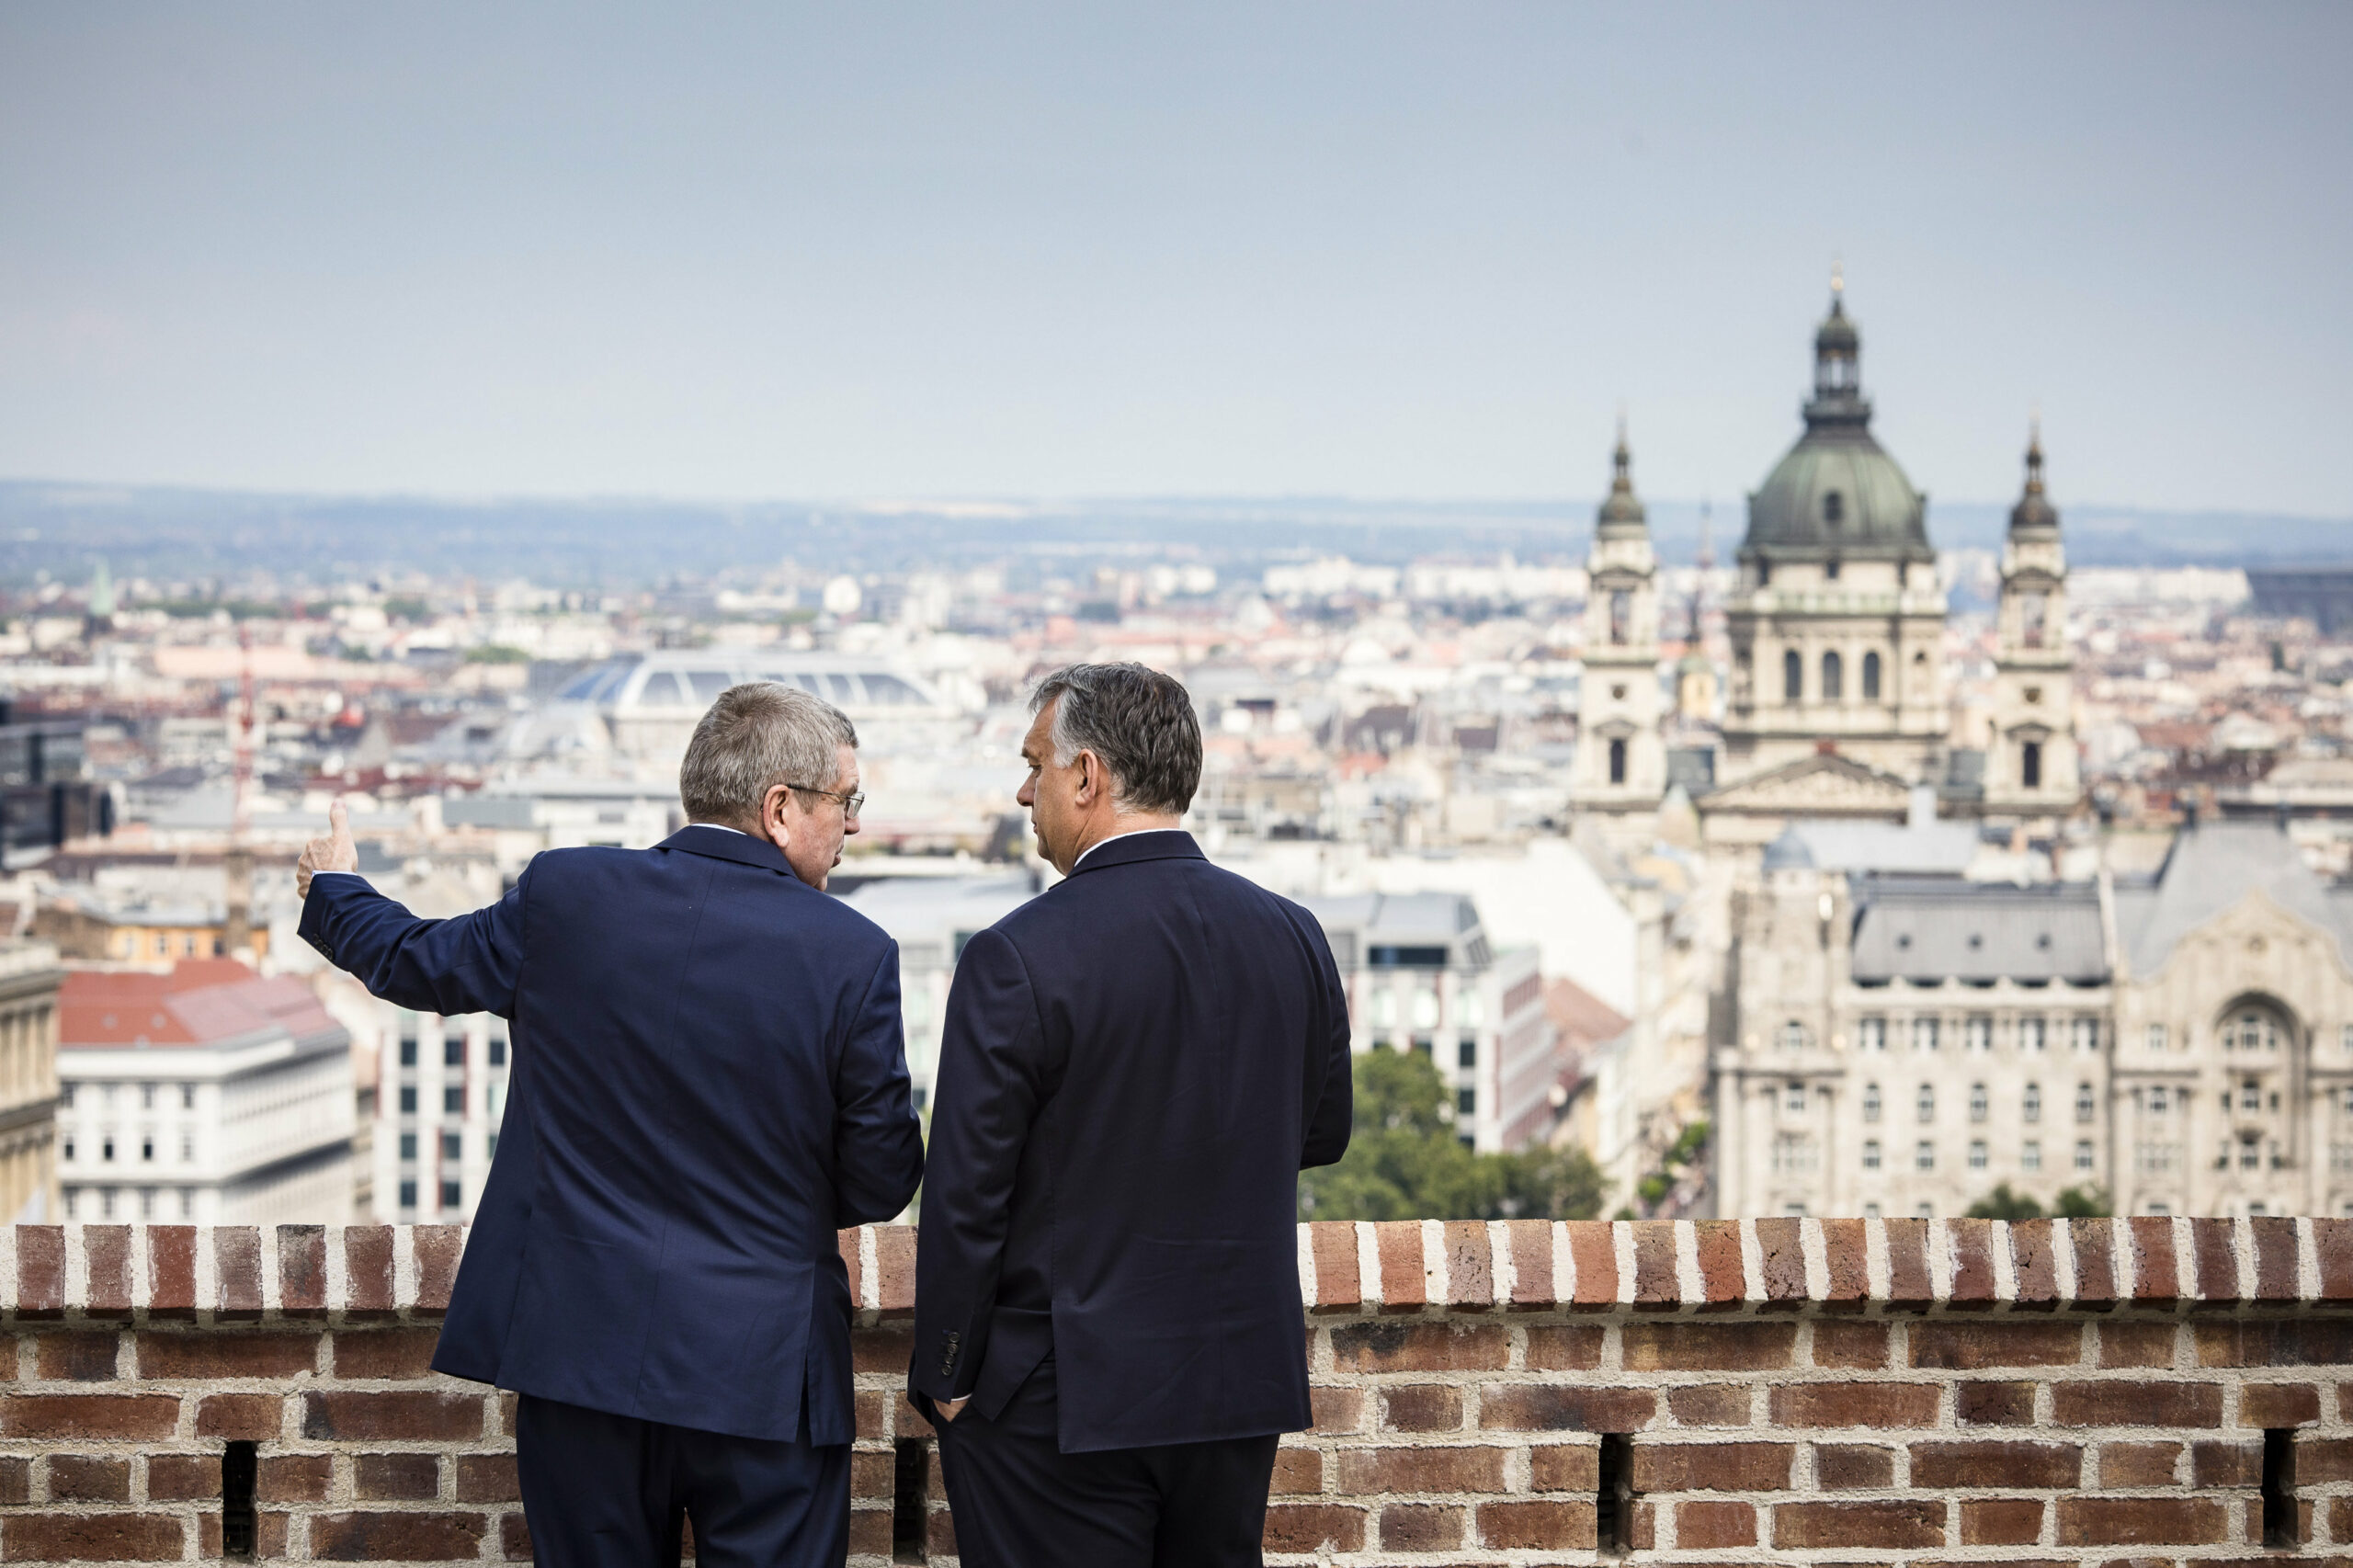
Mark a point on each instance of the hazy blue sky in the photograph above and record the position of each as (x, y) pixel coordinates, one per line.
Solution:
(772, 250)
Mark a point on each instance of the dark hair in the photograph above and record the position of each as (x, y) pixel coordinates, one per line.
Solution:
(1139, 722)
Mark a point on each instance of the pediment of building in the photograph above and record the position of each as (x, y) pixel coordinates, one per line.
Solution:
(1825, 784)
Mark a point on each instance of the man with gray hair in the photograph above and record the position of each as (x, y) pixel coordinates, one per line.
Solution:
(709, 1081)
(1135, 1066)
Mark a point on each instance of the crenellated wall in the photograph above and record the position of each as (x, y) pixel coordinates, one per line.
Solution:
(1839, 1391)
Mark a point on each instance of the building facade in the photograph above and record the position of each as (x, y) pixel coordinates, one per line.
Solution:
(2032, 761)
(1620, 763)
(30, 978)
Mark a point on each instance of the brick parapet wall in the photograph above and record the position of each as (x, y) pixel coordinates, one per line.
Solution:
(1807, 1390)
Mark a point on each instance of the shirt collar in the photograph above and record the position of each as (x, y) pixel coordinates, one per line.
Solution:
(1131, 832)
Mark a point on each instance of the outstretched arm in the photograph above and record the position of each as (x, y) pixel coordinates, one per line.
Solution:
(470, 964)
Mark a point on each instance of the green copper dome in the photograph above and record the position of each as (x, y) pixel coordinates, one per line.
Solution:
(1837, 493)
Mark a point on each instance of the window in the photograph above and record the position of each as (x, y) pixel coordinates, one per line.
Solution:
(188, 1096)
(146, 1097)
(451, 1146)
(408, 1195)
(147, 1148)
(1924, 1034)
(106, 1148)
(1834, 507)
(1834, 677)
(1977, 1034)
(1794, 1154)
(1923, 1157)
(2250, 1095)
(2083, 1153)
(1927, 1102)
(408, 1050)
(409, 1145)
(1466, 1054)
(2252, 1030)
(1979, 1104)
(65, 1096)
(2156, 1036)
(1793, 1099)
(1870, 1154)
(1871, 1102)
(2031, 1034)
(450, 1194)
(498, 1051)
(2087, 1104)
(408, 1099)
(2032, 1104)
(1871, 677)
(453, 1100)
(1793, 676)
(1830, 569)
(2086, 1034)
(1621, 615)
(2158, 1100)
(1923, 1210)
(187, 1148)
(1792, 1036)
(453, 1050)
(188, 1204)
(1617, 762)
(1977, 1153)
(1466, 1102)
(68, 1146)
(2031, 1156)
(2030, 765)
(2250, 1152)
(1872, 1032)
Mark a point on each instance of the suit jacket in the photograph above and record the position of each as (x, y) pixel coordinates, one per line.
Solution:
(1134, 1067)
(707, 1080)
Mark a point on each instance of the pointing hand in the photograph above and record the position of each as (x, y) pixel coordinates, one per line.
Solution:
(336, 852)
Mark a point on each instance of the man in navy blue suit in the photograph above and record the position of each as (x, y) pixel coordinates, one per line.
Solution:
(1134, 1068)
(708, 1079)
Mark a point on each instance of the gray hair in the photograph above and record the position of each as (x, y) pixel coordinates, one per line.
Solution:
(757, 735)
(1139, 721)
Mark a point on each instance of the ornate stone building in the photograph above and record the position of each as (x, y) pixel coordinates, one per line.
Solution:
(2031, 756)
(30, 978)
(1620, 763)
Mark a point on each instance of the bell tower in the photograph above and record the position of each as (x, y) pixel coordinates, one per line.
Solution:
(2030, 757)
(1621, 757)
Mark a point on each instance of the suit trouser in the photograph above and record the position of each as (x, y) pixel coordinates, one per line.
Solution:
(603, 1490)
(1020, 1502)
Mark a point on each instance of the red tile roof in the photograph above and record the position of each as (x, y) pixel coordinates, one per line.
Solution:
(200, 1001)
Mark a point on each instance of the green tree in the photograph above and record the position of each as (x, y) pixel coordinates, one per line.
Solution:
(2088, 1201)
(2002, 1203)
(1404, 1161)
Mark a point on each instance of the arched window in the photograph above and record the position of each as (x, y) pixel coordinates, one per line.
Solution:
(1871, 1102)
(2030, 765)
(1617, 762)
(1834, 677)
(1833, 509)
(1793, 676)
(1870, 676)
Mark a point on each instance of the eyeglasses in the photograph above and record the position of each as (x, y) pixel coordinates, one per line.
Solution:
(849, 802)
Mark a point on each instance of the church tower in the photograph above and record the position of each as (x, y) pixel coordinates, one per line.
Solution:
(2031, 758)
(1620, 758)
(1837, 624)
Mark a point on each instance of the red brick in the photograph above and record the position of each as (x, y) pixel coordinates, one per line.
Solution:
(1420, 1347)
(105, 1261)
(1470, 1265)
(1994, 1405)
(1642, 1526)
(1711, 1467)
(302, 1270)
(1564, 1347)
(437, 1248)
(2215, 1258)
(872, 1407)
(50, 1417)
(1972, 1243)
(939, 1534)
(1566, 1407)
(178, 1478)
(906, 1421)
(1423, 1526)
(1412, 1470)
(1593, 1247)
(1854, 1404)
(1657, 1287)
(1891, 1525)
(1711, 1404)
(1843, 1250)
(269, 1535)
(2275, 1257)
(1531, 1265)
(2279, 1404)
(88, 1478)
(1722, 1283)
(1336, 1410)
(258, 1416)
(16, 1479)
(846, 1248)
(1958, 1346)
(1337, 1286)
(1313, 1527)
(2333, 1241)
(1907, 1262)
(2137, 1344)
(368, 1264)
(1296, 1471)
(515, 1535)
(490, 1477)
(199, 1355)
(1708, 1347)
(1850, 1345)
(2032, 1465)
(399, 1478)
(1507, 1527)
(2034, 1271)
(2155, 1271)
(40, 1271)
(2233, 1464)
(2138, 1464)
(75, 1357)
(293, 1478)
(418, 1415)
(2274, 1342)
(396, 1537)
(886, 1347)
(236, 1263)
(2320, 1460)
(1566, 1467)
(2095, 1244)
(1714, 1527)
(875, 1476)
(371, 1353)
(2140, 1522)
(93, 1538)
(1780, 1244)
(1422, 1407)
(1404, 1283)
(1852, 1467)
(2136, 1404)
(171, 1271)
(2001, 1521)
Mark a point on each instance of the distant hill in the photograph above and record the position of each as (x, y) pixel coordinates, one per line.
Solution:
(177, 535)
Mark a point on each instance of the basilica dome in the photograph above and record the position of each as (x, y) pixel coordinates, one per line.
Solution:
(1838, 493)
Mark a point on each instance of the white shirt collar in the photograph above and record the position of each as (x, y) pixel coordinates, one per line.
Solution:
(1131, 833)
(721, 827)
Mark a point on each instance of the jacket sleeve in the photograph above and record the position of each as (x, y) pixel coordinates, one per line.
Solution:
(1331, 1075)
(991, 1072)
(470, 965)
(877, 1143)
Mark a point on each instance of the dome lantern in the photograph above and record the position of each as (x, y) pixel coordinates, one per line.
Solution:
(2034, 516)
(1620, 515)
